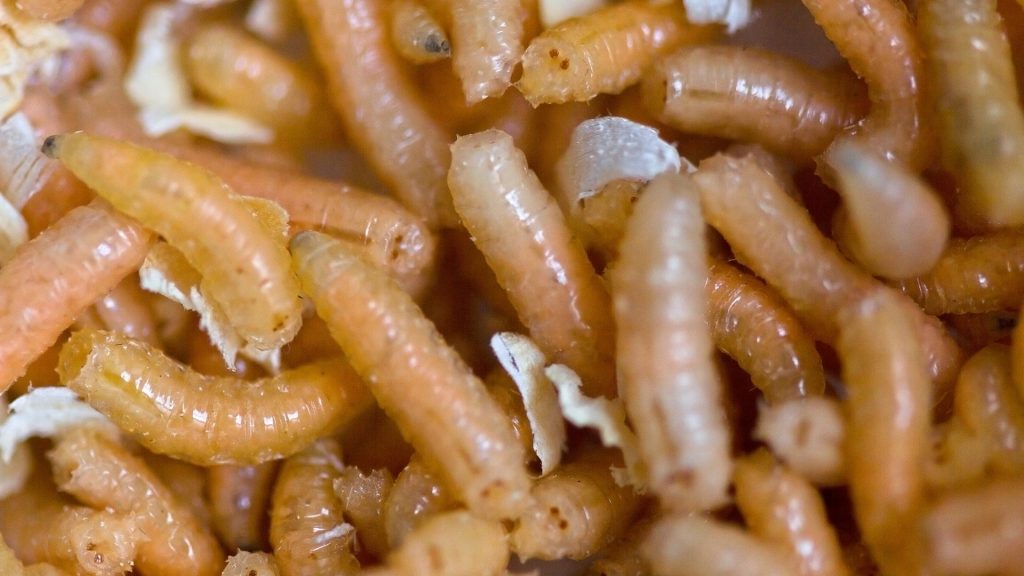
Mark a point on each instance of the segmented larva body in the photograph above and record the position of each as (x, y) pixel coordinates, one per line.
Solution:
(752, 324)
(244, 268)
(103, 474)
(544, 270)
(209, 420)
(604, 52)
(775, 237)
(877, 39)
(782, 507)
(753, 95)
(391, 235)
(673, 402)
(382, 112)
(56, 276)
(415, 496)
(974, 275)
(307, 530)
(579, 508)
(452, 422)
(488, 38)
(982, 125)
(888, 407)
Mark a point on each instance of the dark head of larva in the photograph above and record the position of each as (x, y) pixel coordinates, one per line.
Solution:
(50, 145)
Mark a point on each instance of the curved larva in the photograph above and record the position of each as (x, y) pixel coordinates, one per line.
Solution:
(603, 52)
(54, 277)
(878, 40)
(523, 235)
(752, 324)
(307, 529)
(753, 95)
(668, 382)
(451, 421)
(208, 420)
(244, 269)
(774, 236)
(103, 474)
(382, 113)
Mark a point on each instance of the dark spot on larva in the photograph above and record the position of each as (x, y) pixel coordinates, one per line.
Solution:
(553, 53)
(684, 477)
(564, 65)
(435, 558)
(803, 433)
(1006, 323)
(437, 45)
(252, 573)
(563, 524)
(50, 146)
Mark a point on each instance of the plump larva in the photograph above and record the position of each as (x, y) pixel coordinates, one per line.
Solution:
(103, 474)
(979, 115)
(451, 421)
(782, 507)
(518, 227)
(578, 509)
(57, 275)
(307, 530)
(209, 420)
(878, 41)
(774, 236)
(753, 95)
(752, 324)
(382, 112)
(973, 275)
(244, 268)
(668, 382)
(604, 52)
(888, 411)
